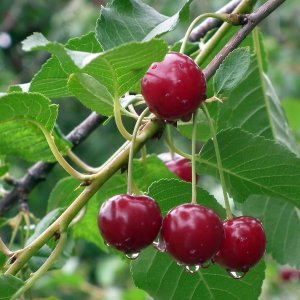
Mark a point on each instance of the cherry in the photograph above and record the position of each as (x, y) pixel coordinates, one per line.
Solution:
(290, 275)
(178, 165)
(129, 222)
(243, 245)
(174, 88)
(192, 233)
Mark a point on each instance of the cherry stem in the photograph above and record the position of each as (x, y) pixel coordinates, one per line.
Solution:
(173, 149)
(194, 178)
(220, 16)
(169, 140)
(4, 249)
(80, 163)
(219, 161)
(131, 152)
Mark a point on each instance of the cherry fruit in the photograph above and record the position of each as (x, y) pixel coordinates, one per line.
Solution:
(290, 275)
(192, 234)
(129, 223)
(243, 245)
(178, 165)
(174, 88)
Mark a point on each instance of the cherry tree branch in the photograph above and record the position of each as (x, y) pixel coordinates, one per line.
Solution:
(39, 171)
(210, 23)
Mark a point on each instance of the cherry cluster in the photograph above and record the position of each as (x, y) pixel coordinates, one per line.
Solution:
(192, 234)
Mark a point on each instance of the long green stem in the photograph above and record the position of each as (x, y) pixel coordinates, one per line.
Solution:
(173, 149)
(119, 122)
(4, 249)
(244, 7)
(194, 177)
(219, 160)
(44, 268)
(131, 152)
(222, 16)
(81, 164)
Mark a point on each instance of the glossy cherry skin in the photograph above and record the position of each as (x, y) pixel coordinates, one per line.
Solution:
(192, 233)
(178, 165)
(129, 223)
(174, 88)
(243, 245)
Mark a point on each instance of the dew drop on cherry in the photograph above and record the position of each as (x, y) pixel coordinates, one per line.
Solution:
(206, 264)
(191, 269)
(132, 255)
(159, 245)
(236, 275)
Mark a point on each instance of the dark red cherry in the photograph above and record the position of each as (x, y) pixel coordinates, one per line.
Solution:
(192, 233)
(243, 245)
(290, 275)
(174, 88)
(178, 165)
(129, 223)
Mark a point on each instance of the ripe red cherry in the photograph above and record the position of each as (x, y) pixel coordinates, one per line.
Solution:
(178, 165)
(192, 233)
(129, 222)
(243, 245)
(174, 88)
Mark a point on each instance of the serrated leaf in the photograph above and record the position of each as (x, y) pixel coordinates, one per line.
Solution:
(253, 165)
(162, 278)
(20, 134)
(122, 68)
(9, 284)
(64, 193)
(281, 222)
(231, 71)
(125, 21)
(52, 80)
(91, 93)
(292, 111)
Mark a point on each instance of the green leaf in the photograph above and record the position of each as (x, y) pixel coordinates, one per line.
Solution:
(162, 278)
(281, 222)
(52, 80)
(9, 284)
(64, 193)
(292, 110)
(20, 134)
(186, 128)
(91, 93)
(122, 68)
(125, 21)
(264, 116)
(231, 71)
(169, 193)
(3, 259)
(253, 165)
(4, 169)
(153, 169)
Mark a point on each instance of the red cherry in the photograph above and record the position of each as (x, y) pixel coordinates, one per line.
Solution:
(290, 275)
(174, 88)
(192, 233)
(129, 222)
(178, 165)
(243, 245)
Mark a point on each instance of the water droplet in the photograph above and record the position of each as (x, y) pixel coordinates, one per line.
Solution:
(167, 95)
(206, 264)
(106, 244)
(178, 81)
(132, 255)
(191, 269)
(159, 245)
(154, 67)
(193, 251)
(236, 275)
(179, 263)
(184, 101)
